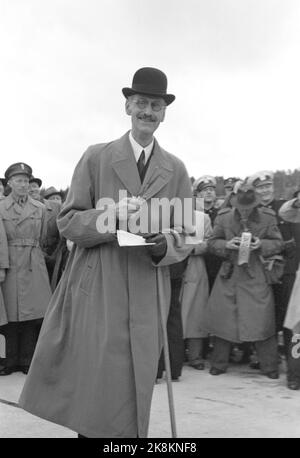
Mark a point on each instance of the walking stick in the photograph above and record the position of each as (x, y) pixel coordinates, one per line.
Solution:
(163, 321)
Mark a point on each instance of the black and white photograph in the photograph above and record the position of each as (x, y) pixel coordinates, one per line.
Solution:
(149, 222)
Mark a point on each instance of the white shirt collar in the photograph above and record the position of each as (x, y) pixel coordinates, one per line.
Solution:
(137, 148)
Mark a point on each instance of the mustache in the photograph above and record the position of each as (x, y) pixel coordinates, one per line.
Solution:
(147, 118)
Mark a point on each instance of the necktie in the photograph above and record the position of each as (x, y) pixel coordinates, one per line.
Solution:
(141, 165)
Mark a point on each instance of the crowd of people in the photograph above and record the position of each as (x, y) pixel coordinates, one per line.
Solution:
(211, 294)
(94, 362)
(242, 304)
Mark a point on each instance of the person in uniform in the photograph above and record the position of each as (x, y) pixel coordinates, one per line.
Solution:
(26, 289)
(53, 194)
(240, 307)
(194, 294)
(229, 185)
(204, 189)
(34, 188)
(4, 265)
(52, 243)
(96, 361)
(263, 182)
(2, 188)
(290, 211)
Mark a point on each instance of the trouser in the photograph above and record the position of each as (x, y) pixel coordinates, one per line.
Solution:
(175, 334)
(282, 293)
(292, 357)
(194, 348)
(266, 352)
(21, 338)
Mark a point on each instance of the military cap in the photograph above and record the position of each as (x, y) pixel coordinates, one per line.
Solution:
(203, 182)
(38, 181)
(51, 192)
(261, 178)
(17, 169)
(230, 182)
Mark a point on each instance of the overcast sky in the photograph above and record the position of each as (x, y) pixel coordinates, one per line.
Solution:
(233, 65)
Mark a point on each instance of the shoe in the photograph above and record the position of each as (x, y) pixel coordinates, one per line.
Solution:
(215, 371)
(293, 385)
(7, 370)
(272, 375)
(175, 379)
(24, 369)
(198, 366)
(255, 365)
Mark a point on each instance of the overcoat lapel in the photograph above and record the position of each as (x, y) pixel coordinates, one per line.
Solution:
(124, 164)
(158, 174)
(27, 210)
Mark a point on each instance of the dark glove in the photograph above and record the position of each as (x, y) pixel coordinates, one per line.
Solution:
(160, 247)
(289, 248)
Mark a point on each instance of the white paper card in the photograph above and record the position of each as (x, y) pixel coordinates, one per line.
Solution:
(127, 239)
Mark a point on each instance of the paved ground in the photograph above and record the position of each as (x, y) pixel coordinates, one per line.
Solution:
(241, 403)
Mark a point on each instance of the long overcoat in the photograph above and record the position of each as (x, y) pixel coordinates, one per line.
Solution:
(241, 306)
(4, 264)
(195, 289)
(292, 319)
(26, 289)
(96, 359)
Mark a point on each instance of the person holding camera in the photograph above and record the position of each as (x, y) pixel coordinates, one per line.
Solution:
(241, 306)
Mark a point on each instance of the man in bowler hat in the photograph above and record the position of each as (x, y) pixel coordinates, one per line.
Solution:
(96, 361)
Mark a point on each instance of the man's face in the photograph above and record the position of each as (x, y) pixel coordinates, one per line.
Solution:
(265, 192)
(56, 198)
(228, 190)
(208, 194)
(146, 113)
(34, 190)
(19, 185)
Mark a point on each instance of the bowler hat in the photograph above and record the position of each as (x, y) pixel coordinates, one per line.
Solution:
(38, 181)
(245, 197)
(149, 81)
(51, 192)
(19, 168)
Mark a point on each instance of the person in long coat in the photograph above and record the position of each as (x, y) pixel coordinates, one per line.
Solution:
(52, 238)
(290, 211)
(194, 294)
(4, 264)
(26, 288)
(241, 306)
(263, 183)
(96, 361)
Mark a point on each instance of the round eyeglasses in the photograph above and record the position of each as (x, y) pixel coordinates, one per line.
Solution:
(156, 105)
